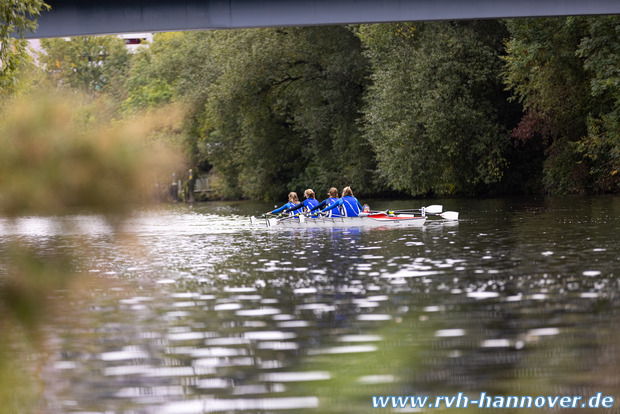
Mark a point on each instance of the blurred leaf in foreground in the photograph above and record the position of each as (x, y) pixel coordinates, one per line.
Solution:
(56, 154)
(59, 154)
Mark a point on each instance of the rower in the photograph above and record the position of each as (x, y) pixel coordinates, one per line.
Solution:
(348, 205)
(293, 202)
(309, 203)
(332, 197)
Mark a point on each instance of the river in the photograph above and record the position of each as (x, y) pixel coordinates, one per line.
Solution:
(189, 309)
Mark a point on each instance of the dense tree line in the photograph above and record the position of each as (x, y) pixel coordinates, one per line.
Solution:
(436, 114)
(432, 108)
(566, 73)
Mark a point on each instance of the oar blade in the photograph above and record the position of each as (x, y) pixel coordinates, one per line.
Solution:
(434, 209)
(450, 215)
(272, 222)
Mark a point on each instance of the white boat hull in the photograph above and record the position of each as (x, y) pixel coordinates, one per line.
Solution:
(371, 220)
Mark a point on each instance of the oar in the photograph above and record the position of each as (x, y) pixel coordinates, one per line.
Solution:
(254, 220)
(274, 221)
(271, 221)
(432, 209)
(449, 215)
(435, 210)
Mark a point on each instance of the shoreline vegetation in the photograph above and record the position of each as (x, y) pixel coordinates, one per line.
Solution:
(428, 109)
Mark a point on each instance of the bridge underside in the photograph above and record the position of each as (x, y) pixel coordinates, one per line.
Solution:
(88, 17)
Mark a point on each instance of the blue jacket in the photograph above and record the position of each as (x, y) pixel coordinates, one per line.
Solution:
(326, 203)
(349, 206)
(307, 205)
(286, 207)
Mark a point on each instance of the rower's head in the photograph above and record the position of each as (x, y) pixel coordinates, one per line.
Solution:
(333, 192)
(292, 197)
(309, 193)
(347, 192)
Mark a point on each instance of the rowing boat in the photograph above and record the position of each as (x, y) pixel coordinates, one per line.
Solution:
(402, 218)
(370, 220)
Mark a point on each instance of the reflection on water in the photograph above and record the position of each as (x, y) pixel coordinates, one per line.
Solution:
(202, 313)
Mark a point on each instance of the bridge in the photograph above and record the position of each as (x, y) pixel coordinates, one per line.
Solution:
(90, 17)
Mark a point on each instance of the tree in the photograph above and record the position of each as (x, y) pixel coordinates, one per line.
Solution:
(17, 17)
(294, 95)
(90, 64)
(174, 67)
(564, 71)
(434, 110)
(548, 78)
(271, 110)
(179, 68)
(600, 49)
(417, 108)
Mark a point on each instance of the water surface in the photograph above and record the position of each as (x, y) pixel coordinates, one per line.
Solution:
(194, 310)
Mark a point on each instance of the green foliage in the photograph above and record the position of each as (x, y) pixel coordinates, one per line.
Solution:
(175, 68)
(546, 76)
(416, 108)
(563, 171)
(17, 17)
(565, 73)
(433, 110)
(601, 146)
(91, 64)
(420, 109)
(295, 95)
(278, 114)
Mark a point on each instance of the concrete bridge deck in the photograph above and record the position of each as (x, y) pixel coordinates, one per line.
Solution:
(89, 17)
